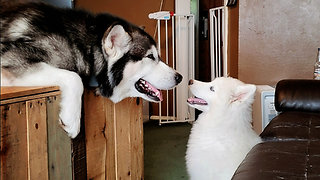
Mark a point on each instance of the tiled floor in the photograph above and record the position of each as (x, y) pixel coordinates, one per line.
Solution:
(164, 150)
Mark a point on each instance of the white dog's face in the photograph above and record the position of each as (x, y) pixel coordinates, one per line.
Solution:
(220, 93)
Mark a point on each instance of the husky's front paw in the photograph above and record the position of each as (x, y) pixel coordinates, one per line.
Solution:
(71, 96)
(70, 120)
(70, 113)
(72, 131)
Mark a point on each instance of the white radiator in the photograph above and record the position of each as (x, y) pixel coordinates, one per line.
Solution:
(181, 52)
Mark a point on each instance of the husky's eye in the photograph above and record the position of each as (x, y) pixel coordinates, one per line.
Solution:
(212, 88)
(150, 56)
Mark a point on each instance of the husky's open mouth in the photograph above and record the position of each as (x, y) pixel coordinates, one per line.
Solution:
(146, 88)
(196, 101)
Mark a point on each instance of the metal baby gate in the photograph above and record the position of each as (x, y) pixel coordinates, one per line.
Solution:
(179, 52)
(218, 45)
(182, 57)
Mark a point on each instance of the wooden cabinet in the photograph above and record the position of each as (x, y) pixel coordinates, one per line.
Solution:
(34, 146)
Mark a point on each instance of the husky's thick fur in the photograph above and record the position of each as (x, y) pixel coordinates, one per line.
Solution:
(45, 45)
(222, 135)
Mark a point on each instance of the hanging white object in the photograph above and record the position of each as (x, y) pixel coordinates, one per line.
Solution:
(161, 15)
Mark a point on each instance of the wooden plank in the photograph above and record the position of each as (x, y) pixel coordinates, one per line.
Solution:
(27, 98)
(59, 144)
(127, 138)
(37, 139)
(111, 148)
(79, 160)
(136, 137)
(8, 92)
(14, 141)
(95, 130)
(122, 118)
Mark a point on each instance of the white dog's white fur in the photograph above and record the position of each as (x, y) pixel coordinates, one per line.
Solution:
(222, 135)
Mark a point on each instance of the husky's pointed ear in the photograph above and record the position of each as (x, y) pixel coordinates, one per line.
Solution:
(142, 27)
(243, 93)
(116, 41)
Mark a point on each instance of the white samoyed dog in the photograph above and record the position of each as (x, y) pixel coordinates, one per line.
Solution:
(222, 135)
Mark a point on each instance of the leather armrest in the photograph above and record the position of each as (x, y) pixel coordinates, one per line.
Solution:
(298, 95)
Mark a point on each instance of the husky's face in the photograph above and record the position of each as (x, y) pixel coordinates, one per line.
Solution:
(134, 68)
(220, 93)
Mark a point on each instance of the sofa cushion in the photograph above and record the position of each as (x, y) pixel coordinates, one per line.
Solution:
(293, 125)
(298, 95)
(281, 160)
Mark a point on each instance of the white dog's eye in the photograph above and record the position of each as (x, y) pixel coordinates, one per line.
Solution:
(212, 89)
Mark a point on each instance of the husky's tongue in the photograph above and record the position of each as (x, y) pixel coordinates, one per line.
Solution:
(146, 88)
(154, 90)
(198, 101)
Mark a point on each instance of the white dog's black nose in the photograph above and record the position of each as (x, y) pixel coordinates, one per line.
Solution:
(190, 82)
(178, 78)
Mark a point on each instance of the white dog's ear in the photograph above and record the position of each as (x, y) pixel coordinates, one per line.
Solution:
(116, 41)
(243, 93)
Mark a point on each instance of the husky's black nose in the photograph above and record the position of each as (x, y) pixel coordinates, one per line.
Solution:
(178, 78)
(190, 82)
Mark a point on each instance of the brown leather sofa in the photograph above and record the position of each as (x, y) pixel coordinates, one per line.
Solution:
(291, 142)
